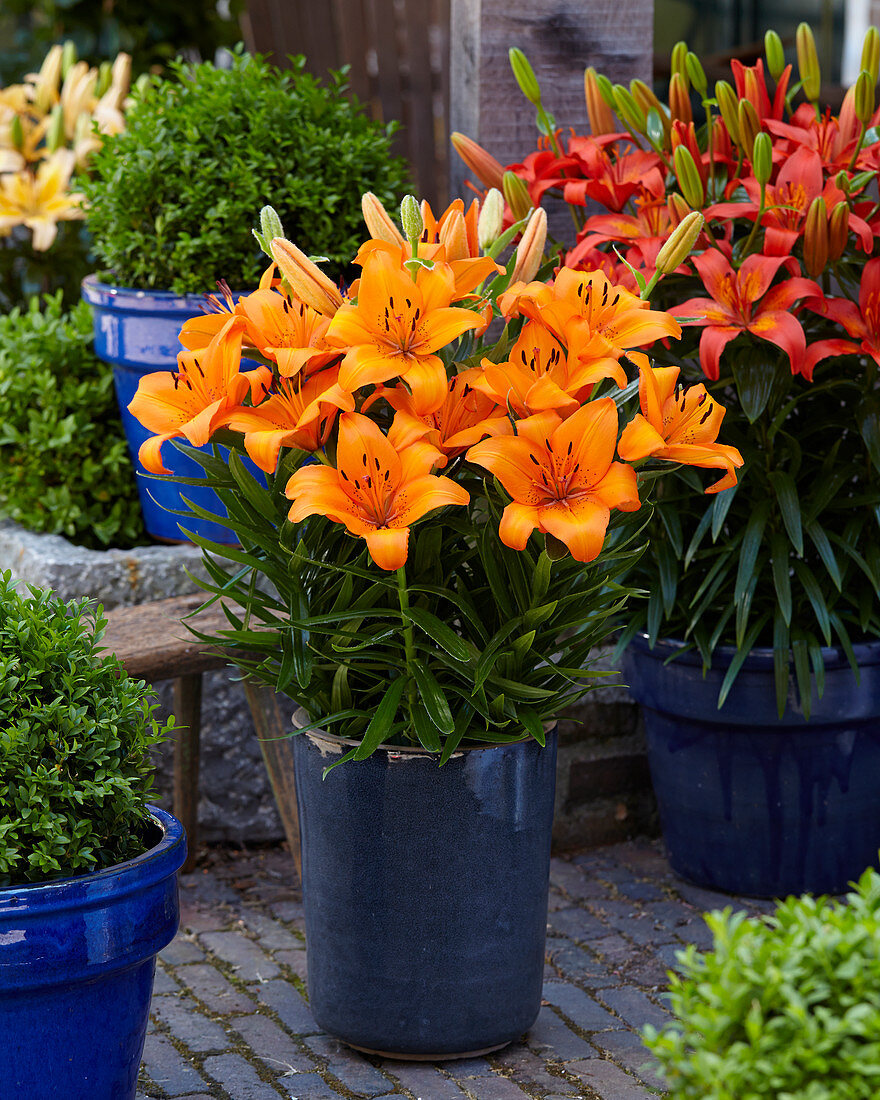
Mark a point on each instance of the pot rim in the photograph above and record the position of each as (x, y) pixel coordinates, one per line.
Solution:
(867, 652)
(129, 299)
(318, 734)
(94, 888)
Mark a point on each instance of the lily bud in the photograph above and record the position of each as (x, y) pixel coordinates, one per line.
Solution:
(727, 105)
(16, 133)
(411, 221)
(749, 124)
(871, 53)
(816, 238)
(679, 100)
(696, 73)
(677, 207)
(838, 231)
(650, 105)
(270, 223)
(688, 177)
(525, 75)
(48, 79)
(307, 281)
(762, 158)
(55, 132)
(378, 221)
(491, 220)
(598, 111)
(105, 77)
(775, 54)
(516, 194)
(808, 61)
(751, 91)
(606, 90)
(530, 250)
(68, 57)
(678, 61)
(454, 238)
(484, 166)
(864, 97)
(679, 244)
(628, 109)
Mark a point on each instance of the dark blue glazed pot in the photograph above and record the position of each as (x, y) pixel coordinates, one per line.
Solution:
(751, 803)
(77, 958)
(425, 893)
(136, 332)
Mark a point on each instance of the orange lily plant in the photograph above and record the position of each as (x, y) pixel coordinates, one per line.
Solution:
(434, 545)
(780, 306)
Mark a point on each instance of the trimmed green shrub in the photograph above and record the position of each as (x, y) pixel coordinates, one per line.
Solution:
(74, 735)
(172, 199)
(787, 1006)
(64, 463)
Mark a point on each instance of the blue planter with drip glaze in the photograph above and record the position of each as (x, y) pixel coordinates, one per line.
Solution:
(136, 332)
(751, 803)
(77, 958)
(425, 893)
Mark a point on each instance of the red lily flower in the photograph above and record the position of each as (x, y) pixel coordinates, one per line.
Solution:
(611, 179)
(647, 230)
(751, 84)
(743, 301)
(861, 321)
(833, 138)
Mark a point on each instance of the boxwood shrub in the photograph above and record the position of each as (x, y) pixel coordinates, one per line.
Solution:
(787, 1006)
(64, 463)
(74, 738)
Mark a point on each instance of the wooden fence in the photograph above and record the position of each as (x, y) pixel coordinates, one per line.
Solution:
(398, 51)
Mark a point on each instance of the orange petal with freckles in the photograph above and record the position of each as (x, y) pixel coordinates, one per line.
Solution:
(619, 488)
(388, 546)
(428, 384)
(639, 439)
(417, 498)
(580, 524)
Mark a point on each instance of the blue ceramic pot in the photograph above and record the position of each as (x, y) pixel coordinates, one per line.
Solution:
(751, 803)
(77, 958)
(425, 893)
(136, 332)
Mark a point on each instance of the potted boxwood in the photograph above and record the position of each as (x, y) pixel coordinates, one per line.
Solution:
(756, 654)
(166, 200)
(88, 886)
(430, 621)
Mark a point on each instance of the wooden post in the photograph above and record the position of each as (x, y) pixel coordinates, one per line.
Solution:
(560, 38)
(188, 714)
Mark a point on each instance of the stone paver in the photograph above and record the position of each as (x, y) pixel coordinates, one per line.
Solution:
(231, 1020)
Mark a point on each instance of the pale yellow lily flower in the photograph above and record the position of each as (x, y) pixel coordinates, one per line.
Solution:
(39, 200)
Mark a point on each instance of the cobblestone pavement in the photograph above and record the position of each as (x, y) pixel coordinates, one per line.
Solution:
(230, 1015)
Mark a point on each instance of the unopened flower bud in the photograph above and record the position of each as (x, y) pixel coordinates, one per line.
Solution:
(864, 97)
(606, 90)
(68, 57)
(677, 207)
(808, 62)
(55, 131)
(307, 281)
(516, 193)
(679, 244)
(678, 61)
(484, 166)
(530, 250)
(378, 221)
(727, 105)
(105, 77)
(491, 220)
(454, 238)
(858, 182)
(871, 53)
(679, 100)
(270, 223)
(411, 220)
(48, 80)
(696, 73)
(838, 231)
(628, 109)
(762, 158)
(688, 177)
(525, 75)
(749, 124)
(775, 54)
(16, 133)
(598, 111)
(816, 238)
(657, 124)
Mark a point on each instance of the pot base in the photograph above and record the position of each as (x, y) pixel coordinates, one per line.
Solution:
(429, 1057)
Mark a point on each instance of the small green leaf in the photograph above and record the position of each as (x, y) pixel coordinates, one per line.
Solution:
(439, 632)
(379, 727)
(789, 506)
(749, 549)
(432, 697)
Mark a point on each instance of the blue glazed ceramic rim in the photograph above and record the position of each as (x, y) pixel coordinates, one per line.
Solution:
(761, 657)
(125, 299)
(162, 861)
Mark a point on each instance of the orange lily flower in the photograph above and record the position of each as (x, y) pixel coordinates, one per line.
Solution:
(539, 375)
(562, 477)
(467, 272)
(192, 401)
(464, 418)
(592, 317)
(744, 301)
(300, 413)
(646, 230)
(679, 425)
(396, 328)
(378, 490)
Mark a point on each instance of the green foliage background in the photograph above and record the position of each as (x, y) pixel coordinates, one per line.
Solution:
(64, 463)
(173, 198)
(74, 734)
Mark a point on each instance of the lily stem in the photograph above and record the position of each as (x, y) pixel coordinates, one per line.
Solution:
(409, 642)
